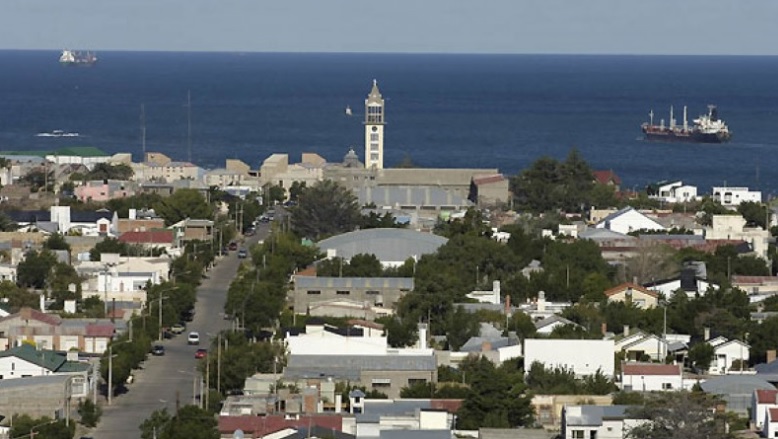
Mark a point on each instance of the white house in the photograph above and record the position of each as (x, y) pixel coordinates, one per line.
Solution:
(675, 192)
(733, 196)
(651, 377)
(761, 401)
(733, 227)
(583, 357)
(636, 348)
(688, 283)
(547, 325)
(27, 361)
(770, 428)
(725, 354)
(597, 422)
(628, 220)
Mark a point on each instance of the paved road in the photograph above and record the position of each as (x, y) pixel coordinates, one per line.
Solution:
(165, 378)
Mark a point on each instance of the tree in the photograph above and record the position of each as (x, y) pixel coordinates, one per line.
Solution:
(295, 190)
(56, 241)
(108, 171)
(400, 333)
(34, 270)
(183, 204)
(324, 209)
(41, 427)
(754, 213)
(90, 412)
(678, 415)
(6, 223)
(701, 355)
(108, 245)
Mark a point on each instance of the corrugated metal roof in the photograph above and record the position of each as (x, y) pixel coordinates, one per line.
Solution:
(354, 282)
(385, 244)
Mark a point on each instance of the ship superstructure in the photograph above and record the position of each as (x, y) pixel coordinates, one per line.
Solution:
(77, 58)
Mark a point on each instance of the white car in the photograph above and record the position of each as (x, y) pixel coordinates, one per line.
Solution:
(194, 338)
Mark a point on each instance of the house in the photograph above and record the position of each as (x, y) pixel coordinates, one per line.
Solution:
(688, 282)
(391, 246)
(634, 294)
(733, 227)
(104, 190)
(628, 220)
(41, 395)
(310, 291)
(762, 401)
(672, 192)
(733, 196)
(641, 347)
(541, 308)
(192, 230)
(651, 377)
(758, 288)
(358, 356)
(60, 219)
(489, 190)
(139, 220)
(491, 343)
(729, 357)
(547, 325)
(160, 168)
(277, 171)
(491, 296)
(549, 408)
(608, 178)
(582, 357)
(28, 361)
(49, 331)
(149, 239)
(377, 417)
(737, 391)
(770, 428)
(263, 426)
(597, 422)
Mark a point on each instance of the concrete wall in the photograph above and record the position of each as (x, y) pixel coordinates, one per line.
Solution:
(36, 400)
(399, 379)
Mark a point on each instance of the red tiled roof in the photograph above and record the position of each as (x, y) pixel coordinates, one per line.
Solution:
(487, 179)
(148, 237)
(307, 271)
(766, 396)
(262, 425)
(29, 313)
(773, 415)
(753, 280)
(650, 369)
(449, 405)
(619, 288)
(97, 330)
(366, 324)
(605, 177)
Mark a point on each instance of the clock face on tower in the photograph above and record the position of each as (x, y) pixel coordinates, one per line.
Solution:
(375, 129)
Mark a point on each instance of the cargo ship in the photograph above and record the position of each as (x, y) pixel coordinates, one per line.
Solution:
(75, 58)
(707, 128)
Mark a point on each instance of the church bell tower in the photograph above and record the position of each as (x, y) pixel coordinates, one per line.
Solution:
(374, 129)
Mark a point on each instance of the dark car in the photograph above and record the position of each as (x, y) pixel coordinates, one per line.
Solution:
(158, 350)
(233, 246)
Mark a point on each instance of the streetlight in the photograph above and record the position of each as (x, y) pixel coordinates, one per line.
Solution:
(31, 434)
(160, 307)
(195, 377)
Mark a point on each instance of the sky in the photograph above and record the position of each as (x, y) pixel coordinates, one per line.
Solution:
(701, 27)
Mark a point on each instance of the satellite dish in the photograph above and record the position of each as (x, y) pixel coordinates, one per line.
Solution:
(237, 434)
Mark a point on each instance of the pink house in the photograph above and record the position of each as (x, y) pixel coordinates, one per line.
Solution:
(100, 190)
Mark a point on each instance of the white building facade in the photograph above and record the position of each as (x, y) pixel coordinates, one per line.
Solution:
(583, 357)
(733, 196)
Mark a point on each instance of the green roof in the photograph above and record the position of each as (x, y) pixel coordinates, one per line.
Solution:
(47, 359)
(73, 366)
(76, 151)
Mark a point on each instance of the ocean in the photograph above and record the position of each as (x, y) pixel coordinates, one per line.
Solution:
(501, 111)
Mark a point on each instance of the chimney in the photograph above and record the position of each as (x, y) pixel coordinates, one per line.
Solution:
(72, 355)
(541, 301)
(486, 346)
(706, 335)
(338, 403)
(133, 214)
(604, 328)
(626, 330)
(422, 336)
(42, 302)
(771, 355)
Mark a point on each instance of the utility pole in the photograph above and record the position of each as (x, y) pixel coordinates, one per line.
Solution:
(160, 316)
(207, 380)
(110, 374)
(219, 365)
(143, 129)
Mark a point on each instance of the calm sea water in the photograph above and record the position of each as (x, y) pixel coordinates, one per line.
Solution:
(500, 111)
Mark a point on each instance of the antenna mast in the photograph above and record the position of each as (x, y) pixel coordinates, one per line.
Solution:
(189, 125)
(143, 129)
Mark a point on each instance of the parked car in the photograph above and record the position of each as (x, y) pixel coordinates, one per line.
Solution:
(250, 232)
(242, 253)
(194, 338)
(178, 328)
(158, 350)
(233, 246)
(201, 353)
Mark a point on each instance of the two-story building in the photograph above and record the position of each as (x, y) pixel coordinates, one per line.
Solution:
(49, 331)
(315, 292)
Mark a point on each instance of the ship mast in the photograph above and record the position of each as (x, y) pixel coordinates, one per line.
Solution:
(189, 125)
(143, 129)
(685, 123)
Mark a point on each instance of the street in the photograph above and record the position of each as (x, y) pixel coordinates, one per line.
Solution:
(163, 379)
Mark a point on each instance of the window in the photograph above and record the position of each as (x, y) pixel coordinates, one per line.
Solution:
(371, 292)
(382, 382)
(667, 386)
(577, 434)
(374, 137)
(414, 381)
(314, 292)
(343, 293)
